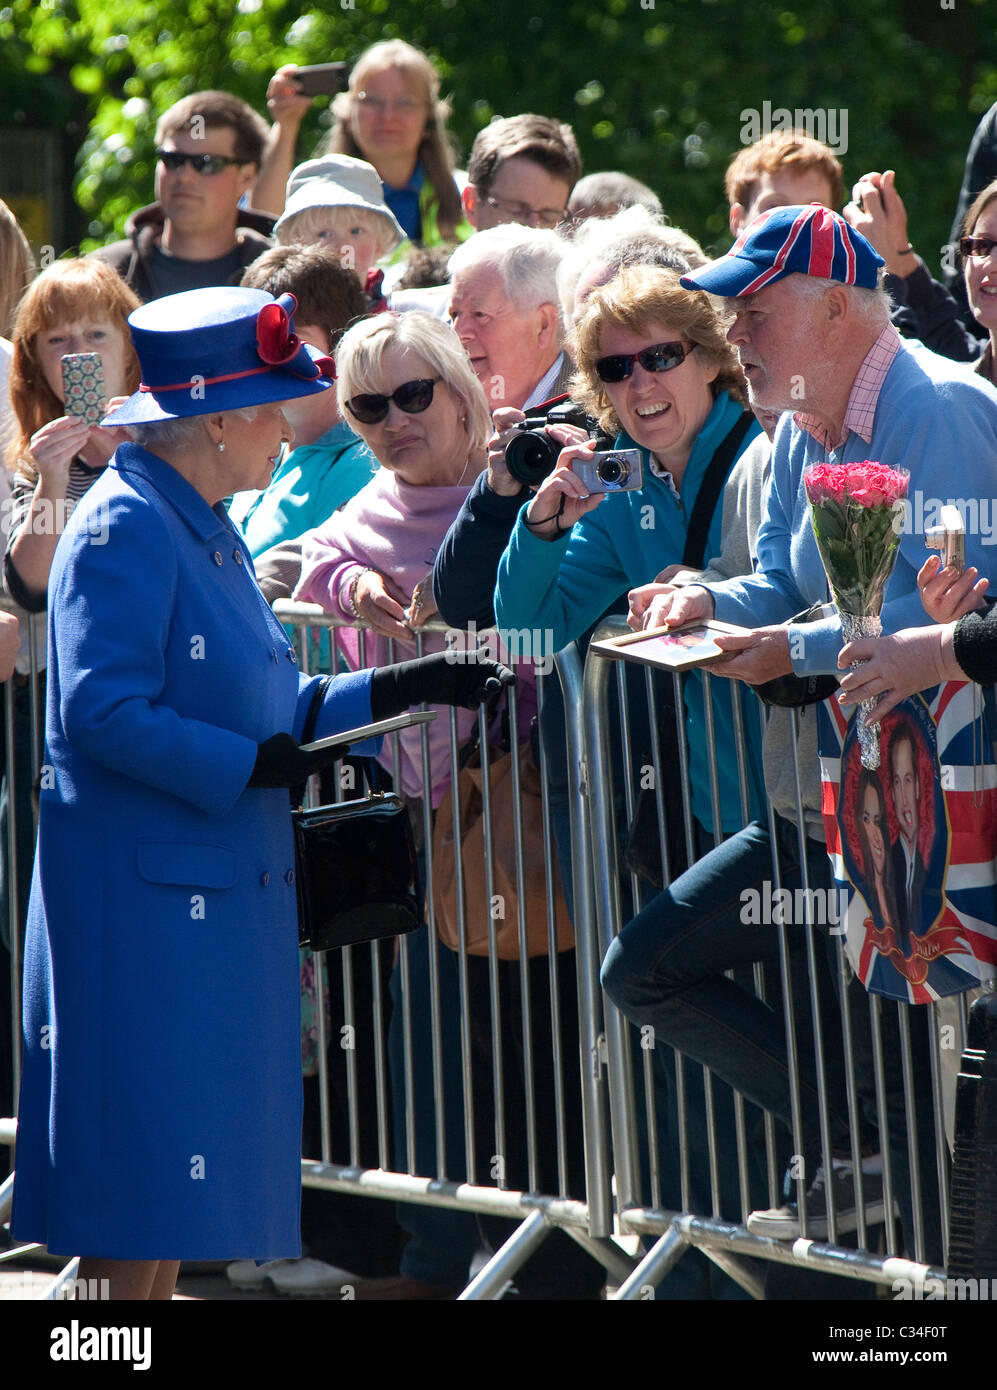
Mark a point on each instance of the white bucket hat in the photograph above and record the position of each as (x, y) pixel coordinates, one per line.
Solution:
(338, 181)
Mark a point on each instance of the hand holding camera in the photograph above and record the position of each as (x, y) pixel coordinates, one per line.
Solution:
(531, 452)
(563, 498)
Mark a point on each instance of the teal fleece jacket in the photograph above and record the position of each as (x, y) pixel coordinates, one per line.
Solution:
(563, 586)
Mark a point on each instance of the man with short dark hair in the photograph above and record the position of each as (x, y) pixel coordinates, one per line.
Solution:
(208, 149)
(521, 169)
(908, 865)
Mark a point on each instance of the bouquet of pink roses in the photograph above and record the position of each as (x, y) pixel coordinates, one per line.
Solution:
(855, 510)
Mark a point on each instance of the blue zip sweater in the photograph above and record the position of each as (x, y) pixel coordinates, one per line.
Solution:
(563, 586)
(934, 418)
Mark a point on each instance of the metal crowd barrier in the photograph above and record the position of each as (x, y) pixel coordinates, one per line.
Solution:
(615, 1191)
(726, 1240)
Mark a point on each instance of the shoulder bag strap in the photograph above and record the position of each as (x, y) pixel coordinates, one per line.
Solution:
(694, 554)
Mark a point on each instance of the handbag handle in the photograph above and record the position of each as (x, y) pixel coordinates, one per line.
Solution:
(370, 767)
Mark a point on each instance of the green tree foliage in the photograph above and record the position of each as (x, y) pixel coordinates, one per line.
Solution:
(654, 87)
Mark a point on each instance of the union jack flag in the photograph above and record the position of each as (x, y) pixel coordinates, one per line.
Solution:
(912, 845)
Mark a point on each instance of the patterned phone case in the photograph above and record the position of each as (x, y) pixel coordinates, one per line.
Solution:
(83, 386)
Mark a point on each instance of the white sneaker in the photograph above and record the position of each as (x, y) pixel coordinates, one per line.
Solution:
(783, 1223)
(247, 1274)
(307, 1278)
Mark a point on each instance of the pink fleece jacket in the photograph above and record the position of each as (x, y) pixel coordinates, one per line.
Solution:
(395, 528)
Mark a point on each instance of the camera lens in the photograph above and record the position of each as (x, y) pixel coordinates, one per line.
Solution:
(611, 471)
(531, 456)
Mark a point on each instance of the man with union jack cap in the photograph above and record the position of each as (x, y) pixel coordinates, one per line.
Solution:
(814, 338)
(813, 333)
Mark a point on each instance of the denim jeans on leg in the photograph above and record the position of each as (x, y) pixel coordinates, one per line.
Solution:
(666, 969)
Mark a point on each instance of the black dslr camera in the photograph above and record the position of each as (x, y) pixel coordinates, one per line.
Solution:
(533, 454)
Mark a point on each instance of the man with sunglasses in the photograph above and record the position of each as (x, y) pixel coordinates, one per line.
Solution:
(208, 150)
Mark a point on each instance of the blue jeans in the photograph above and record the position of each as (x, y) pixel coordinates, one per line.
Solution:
(666, 969)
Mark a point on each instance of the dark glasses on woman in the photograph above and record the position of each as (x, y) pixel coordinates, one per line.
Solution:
(662, 357)
(202, 163)
(413, 397)
(977, 246)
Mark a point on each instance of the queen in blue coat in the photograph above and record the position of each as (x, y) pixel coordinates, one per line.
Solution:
(160, 1106)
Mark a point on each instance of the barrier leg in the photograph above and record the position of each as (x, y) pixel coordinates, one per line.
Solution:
(490, 1280)
(6, 1198)
(659, 1261)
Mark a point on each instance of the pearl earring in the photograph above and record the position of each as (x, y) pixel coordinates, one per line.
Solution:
(221, 446)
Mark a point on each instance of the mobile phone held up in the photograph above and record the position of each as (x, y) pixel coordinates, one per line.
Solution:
(949, 538)
(83, 386)
(321, 79)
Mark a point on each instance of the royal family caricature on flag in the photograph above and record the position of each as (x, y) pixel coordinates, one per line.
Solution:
(912, 844)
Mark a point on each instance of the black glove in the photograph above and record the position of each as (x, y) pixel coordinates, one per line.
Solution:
(281, 762)
(435, 680)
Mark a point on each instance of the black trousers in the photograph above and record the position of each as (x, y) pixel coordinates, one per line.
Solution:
(559, 1269)
(355, 1233)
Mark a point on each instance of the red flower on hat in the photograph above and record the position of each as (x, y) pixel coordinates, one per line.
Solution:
(275, 342)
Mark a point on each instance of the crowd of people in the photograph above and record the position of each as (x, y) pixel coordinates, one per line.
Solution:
(310, 376)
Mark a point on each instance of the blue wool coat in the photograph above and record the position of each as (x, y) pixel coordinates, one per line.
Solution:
(160, 1108)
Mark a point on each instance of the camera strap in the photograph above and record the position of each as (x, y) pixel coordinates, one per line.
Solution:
(694, 554)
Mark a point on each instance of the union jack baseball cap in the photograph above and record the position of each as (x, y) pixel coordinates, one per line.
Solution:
(790, 241)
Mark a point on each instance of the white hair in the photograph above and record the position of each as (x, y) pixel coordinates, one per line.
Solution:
(526, 259)
(873, 306)
(612, 189)
(180, 433)
(633, 236)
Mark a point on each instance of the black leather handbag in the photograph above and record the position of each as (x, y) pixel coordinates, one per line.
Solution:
(357, 878)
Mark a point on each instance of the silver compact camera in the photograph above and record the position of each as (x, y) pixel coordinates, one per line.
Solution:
(949, 538)
(611, 470)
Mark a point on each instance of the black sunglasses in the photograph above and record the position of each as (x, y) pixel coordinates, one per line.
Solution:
(662, 357)
(203, 163)
(980, 246)
(412, 396)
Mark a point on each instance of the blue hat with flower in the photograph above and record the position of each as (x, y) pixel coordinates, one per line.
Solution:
(218, 349)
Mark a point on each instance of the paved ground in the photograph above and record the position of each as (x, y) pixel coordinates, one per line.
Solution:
(32, 1280)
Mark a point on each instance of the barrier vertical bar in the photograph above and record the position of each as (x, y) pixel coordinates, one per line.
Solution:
(552, 871)
(591, 801)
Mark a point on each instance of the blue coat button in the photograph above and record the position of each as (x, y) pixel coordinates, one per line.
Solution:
(237, 556)
(289, 877)
(217, 557)
(291, 654)
(265, 879)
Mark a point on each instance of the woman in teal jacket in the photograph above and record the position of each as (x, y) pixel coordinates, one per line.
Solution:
(655, 368)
